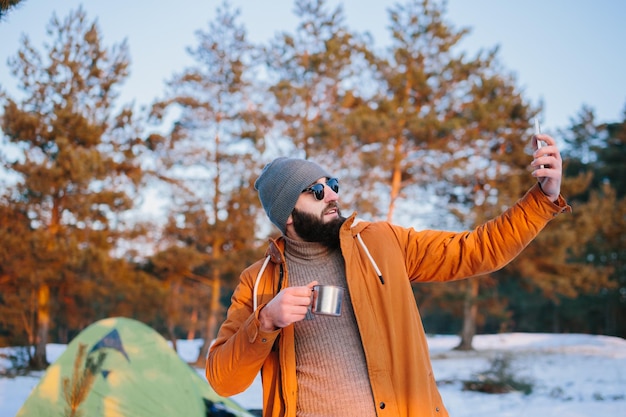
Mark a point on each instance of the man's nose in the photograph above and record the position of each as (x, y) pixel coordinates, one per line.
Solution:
(329, 194)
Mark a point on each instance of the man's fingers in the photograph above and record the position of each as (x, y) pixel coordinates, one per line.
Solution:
(549, 140)
(301, 294)
(290, 305)
(289, 314)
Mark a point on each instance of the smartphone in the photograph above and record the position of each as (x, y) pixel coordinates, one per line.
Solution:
(538, 132)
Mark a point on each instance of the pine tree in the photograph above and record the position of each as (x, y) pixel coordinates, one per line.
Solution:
(213, 151)
(313, 74)
(76, 171)
(596, 153)
(420, 85)
(561, 266)
(445, 130)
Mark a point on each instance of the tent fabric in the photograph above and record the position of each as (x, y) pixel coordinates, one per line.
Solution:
(140, 375)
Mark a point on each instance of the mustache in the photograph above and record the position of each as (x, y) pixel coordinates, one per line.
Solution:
(331, 206)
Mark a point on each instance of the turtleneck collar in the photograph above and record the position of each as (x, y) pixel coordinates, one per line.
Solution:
(305, 251)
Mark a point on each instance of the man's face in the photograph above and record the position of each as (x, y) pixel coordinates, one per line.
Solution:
(316, 220)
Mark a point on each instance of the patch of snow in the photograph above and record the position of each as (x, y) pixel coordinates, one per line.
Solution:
(574, 375)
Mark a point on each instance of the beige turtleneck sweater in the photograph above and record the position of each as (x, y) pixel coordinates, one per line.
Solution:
(330, 364)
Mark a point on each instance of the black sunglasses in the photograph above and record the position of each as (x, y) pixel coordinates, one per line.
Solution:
(318, 189)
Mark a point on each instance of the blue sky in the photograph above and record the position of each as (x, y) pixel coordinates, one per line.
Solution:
(564, 52)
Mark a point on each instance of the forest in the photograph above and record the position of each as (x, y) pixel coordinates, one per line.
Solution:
(422, 134)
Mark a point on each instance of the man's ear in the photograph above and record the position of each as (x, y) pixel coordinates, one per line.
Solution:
(289, 230)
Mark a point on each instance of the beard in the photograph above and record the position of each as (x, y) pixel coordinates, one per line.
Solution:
(312, 228)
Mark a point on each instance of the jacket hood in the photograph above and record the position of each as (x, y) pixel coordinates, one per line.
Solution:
(355, 225)
(275, 250)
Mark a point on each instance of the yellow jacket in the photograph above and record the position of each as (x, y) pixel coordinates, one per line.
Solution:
(382, 260)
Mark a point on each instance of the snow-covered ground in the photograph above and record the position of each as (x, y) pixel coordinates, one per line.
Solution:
(573, 375)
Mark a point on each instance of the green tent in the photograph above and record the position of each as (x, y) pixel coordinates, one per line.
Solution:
(120, 367)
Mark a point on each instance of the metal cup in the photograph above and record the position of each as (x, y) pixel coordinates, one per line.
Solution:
(327, 300)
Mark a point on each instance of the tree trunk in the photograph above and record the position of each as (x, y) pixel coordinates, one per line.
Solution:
(193, 322)
(470, 311)
(43, 326)
(173, 308)
(212, 319)
(556, 322)
(396, 181)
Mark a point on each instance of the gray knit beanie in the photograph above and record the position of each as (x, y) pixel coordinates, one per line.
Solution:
(281, 183)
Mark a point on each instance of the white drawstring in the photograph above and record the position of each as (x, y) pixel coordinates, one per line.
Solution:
(267, 260)
(369, 256)
(256, 283)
